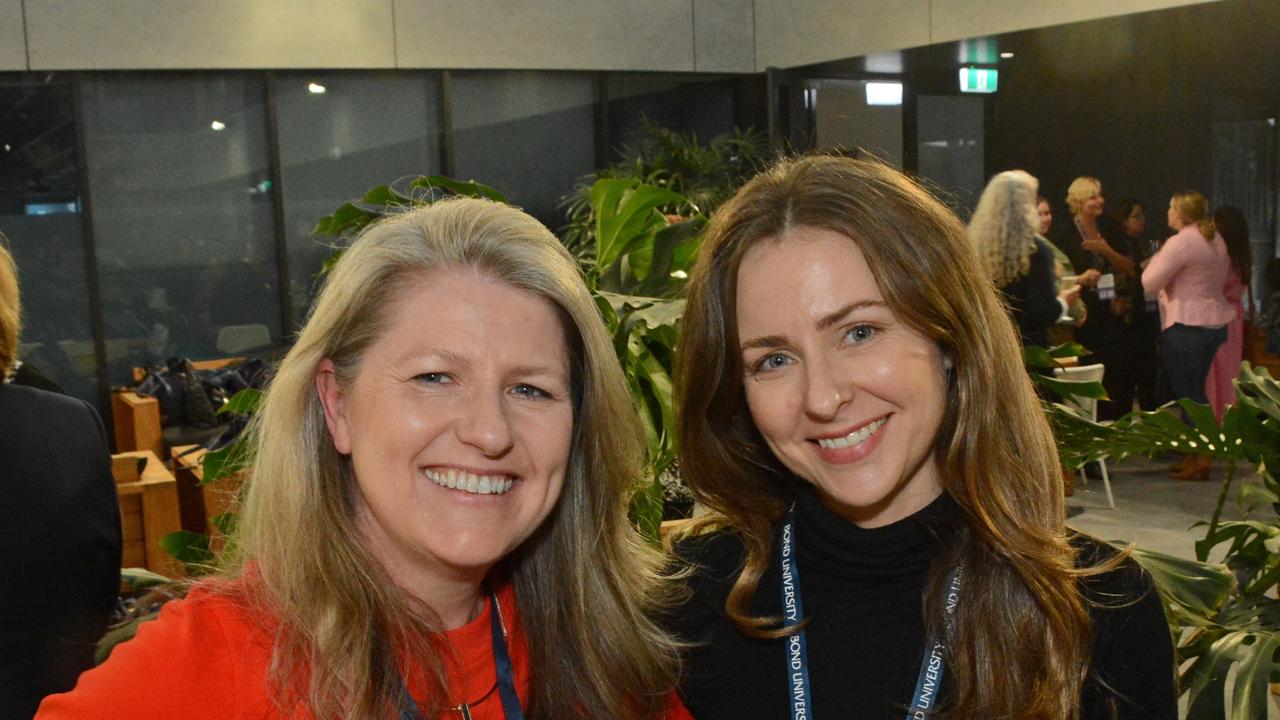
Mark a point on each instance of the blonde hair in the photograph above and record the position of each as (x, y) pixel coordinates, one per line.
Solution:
(1080, 190)
(1004, 226)
(996, 453)
(1193, 208)
(585, 582)
(10, 311)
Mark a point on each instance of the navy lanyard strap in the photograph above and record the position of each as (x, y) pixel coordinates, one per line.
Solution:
(501, 659)
(799, 691)
(506, 677)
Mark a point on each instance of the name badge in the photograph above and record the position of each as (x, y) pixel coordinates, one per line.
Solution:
(1107, 287)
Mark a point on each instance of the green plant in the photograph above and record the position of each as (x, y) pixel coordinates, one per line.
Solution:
(194, 549)
(1224, 615)
(701, 176)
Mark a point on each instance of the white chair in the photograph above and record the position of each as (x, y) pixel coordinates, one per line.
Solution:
(234, 339)
(1089, 408)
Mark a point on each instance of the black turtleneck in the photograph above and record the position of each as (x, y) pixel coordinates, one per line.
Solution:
(863, 595)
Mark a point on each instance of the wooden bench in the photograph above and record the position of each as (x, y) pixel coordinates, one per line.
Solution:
(148, 497)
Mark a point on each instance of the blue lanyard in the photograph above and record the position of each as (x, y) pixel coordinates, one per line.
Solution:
(506, 676)
(799, 691)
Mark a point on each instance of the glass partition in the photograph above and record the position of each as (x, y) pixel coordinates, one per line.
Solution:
(183, 216)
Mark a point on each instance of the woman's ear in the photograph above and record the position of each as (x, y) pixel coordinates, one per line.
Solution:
(334, 403)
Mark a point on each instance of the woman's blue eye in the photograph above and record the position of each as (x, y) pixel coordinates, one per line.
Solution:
(433, 378)
(530, 391)
(773, 362)
(860, 333)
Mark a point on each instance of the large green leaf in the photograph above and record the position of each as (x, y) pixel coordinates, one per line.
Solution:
(457, 187)
(626, 213)
(192, 549)
(226, 461)
(1194, 586)
(244, 402)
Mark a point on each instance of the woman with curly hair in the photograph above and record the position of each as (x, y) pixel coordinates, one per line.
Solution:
(1016, 257)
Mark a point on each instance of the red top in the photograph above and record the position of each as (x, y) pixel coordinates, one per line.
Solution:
(207, 656)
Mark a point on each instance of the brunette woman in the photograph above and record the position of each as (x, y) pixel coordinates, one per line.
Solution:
(1219, 386)
(886, 537)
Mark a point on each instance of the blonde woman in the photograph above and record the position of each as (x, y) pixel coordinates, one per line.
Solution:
(1188, 275)
(1100, 252)
(436, 525)
(1016, 257)
(890, 543)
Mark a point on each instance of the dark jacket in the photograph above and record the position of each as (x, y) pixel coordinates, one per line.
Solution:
(59, 543)
(1033, 297)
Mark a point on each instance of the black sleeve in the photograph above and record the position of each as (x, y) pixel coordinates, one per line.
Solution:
(1132, 673)
(1043, 308)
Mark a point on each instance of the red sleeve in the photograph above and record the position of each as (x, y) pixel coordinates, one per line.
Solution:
(186, 663)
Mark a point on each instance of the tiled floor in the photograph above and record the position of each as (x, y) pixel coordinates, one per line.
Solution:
(1151, 509)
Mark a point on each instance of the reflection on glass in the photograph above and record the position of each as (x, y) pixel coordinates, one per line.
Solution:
(950, 136)
(182, 214)
(341, 134)
(528, 134)
(40, 214)
(702, 105)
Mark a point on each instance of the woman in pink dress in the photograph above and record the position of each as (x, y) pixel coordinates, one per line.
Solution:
(1218, 386)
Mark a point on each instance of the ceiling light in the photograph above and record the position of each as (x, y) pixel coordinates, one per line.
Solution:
(884, 93)
(1006, 55)
(218, 125)
(316, 89)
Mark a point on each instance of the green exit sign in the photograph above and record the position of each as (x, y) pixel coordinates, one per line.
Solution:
(978, 80)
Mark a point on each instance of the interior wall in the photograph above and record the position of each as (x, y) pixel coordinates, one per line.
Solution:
(833, 29)
(736, 36)
(658, 35)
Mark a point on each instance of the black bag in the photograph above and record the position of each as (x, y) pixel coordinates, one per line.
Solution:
(167, 387)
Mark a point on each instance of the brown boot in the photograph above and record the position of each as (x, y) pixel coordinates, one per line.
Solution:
(1194, 467)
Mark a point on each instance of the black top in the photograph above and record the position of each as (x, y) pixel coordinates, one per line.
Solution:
(862, 592)
(1099, 313)
(59, 544)
(1033, 297)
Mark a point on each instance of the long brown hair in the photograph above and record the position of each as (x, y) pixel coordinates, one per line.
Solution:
(1021, 641)
(585, 582)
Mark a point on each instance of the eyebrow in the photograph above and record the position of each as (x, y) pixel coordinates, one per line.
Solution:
(824, 323)
(454, 358)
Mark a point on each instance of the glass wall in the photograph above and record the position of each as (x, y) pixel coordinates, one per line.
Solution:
(701, 105)
(40, 214)
(149, 212)
(528, 134)
(341, 134)
(182, 216)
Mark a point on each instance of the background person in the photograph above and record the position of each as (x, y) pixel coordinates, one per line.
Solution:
(437, 516)
(854, 410)
(59, 528)
(1219, 385)
(1016, 257)
(1094, 242)
(1143, 329)
(1189, 273)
